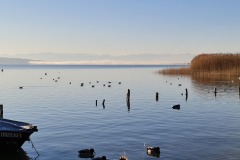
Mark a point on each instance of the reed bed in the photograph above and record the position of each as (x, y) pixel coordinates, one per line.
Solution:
(176, 71)
(209, 65)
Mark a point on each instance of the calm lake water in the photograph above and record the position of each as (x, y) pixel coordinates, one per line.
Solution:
(207, 127)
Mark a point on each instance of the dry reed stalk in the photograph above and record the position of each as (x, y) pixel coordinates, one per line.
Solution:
(209, 65)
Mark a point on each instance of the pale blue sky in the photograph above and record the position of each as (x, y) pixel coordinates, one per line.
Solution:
(119, 27)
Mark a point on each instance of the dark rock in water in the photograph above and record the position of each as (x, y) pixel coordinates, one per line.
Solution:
(176, 106)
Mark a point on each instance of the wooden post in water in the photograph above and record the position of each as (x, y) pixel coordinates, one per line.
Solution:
(128, 100)
(103, 103)
(215, 91)
(96, 102)
(1, 111)
(157, 96)
(186, 94)
(128, 95)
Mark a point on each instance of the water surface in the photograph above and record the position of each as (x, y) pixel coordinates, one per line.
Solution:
(206, 126)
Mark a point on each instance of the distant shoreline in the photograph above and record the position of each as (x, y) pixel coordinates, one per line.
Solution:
(95, 66)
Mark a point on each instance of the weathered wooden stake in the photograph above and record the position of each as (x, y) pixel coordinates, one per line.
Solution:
(157, 96)
(96, 102)
(215, 91)
(128, 99)
(128, 94)
(128, 106)
(103, 103)
(186, 94)
(1, 111)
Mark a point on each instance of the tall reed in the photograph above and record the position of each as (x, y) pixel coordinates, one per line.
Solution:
(216, 63)
(210, 64)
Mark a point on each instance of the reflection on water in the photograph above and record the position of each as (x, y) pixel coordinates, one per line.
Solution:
(216, 80)
(216, 84)
(19, 155)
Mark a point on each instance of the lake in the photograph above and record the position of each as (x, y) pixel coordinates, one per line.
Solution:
(206, 127)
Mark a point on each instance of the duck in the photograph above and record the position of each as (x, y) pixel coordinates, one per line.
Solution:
(100, 158)
(153, 151)
(21, 87)
(123, 158)
(86, 153)
(176, 106)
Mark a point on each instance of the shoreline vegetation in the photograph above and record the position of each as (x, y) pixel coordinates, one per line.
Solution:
(209, 65)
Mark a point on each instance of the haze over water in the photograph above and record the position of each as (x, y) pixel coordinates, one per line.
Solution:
(206, 126)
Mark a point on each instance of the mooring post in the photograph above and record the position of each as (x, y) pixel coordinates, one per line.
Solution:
(186, 94)
(103, 103)
(1, 111)
(96, 102)
(157, 96)
(239, 90)
(215, 91)
(128, 106)
(128, 100)
(128, 95)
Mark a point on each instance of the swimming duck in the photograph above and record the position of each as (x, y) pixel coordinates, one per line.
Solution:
(153, 151)
(100, 158)
(86, 153)
(123, 158)
(176, 106)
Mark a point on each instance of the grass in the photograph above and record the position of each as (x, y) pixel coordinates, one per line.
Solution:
(209, 65)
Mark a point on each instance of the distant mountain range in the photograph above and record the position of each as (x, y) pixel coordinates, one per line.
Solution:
(60, 58)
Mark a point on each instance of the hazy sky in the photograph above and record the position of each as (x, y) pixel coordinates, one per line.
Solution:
(119, 27)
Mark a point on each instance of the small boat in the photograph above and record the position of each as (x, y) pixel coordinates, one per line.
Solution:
(13, 134)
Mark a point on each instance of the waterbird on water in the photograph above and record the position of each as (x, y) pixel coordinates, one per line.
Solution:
(86, 153)
(176, 106)
(153, 151)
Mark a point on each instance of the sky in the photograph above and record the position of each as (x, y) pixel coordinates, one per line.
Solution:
(118, 27)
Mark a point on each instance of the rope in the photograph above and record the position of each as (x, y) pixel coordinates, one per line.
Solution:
(34, 147)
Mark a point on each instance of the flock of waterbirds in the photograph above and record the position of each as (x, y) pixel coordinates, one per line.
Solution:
(109, 84)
